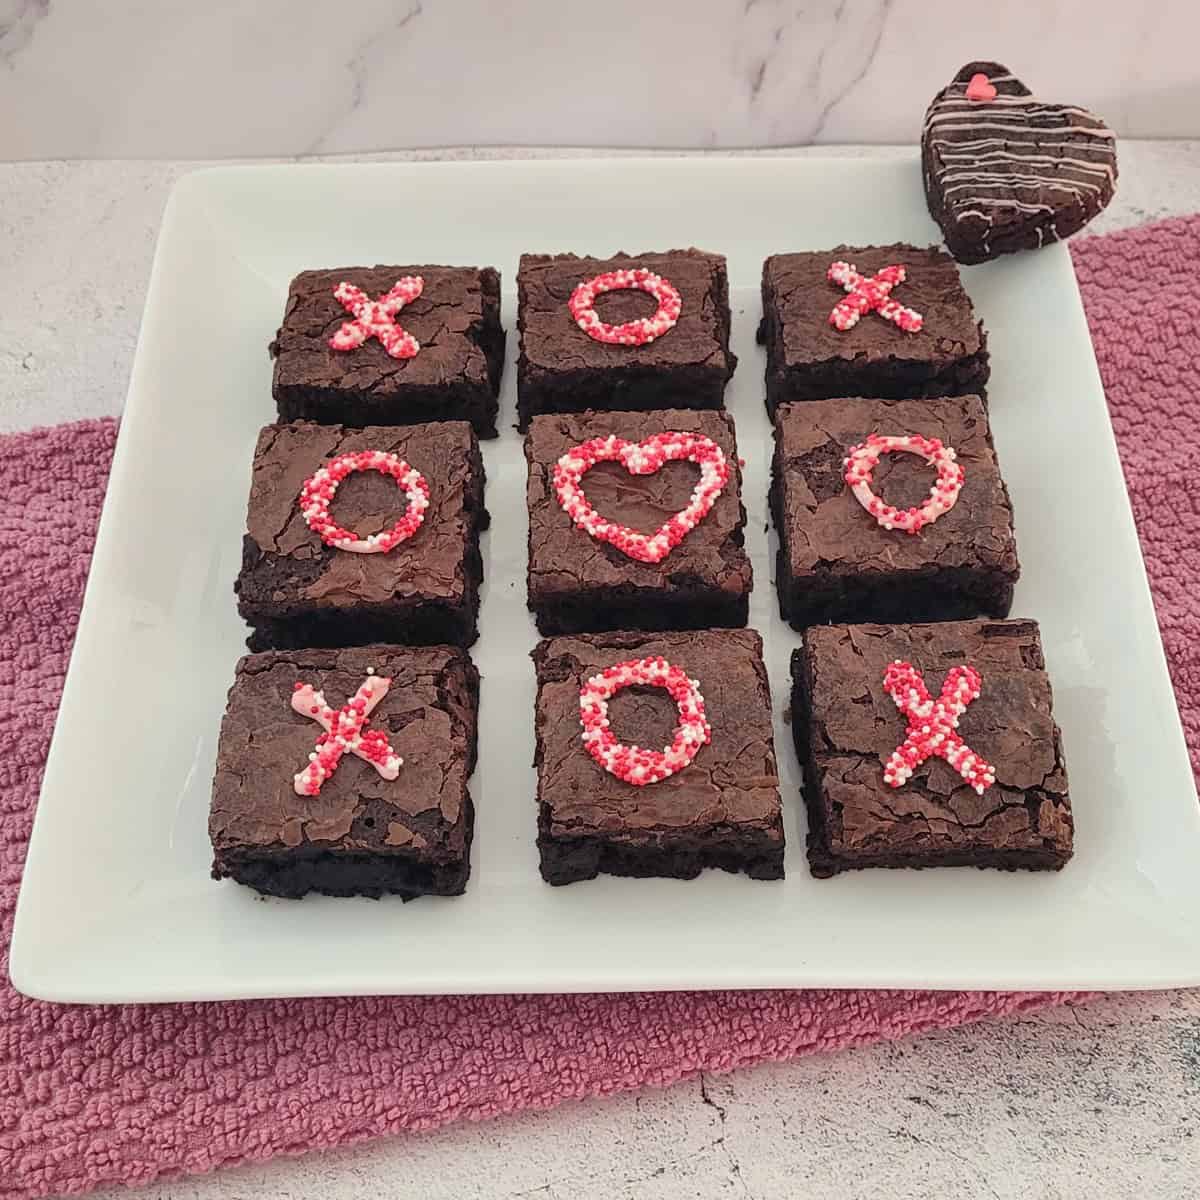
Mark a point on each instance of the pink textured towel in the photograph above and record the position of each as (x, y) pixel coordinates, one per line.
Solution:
(95, 1095)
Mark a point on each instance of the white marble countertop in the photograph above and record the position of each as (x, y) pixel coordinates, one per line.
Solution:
(175, 78)
(1102, 1099)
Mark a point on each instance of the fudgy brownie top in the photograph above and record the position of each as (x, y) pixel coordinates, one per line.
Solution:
(550, 339)
(796, 287)
(447, 319)
(430, 563)
(731, 782)
(855, 726)
(827, 529)
(428, 715)
(564, 558)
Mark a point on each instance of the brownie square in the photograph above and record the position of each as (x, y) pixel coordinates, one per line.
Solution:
(563, 369)
(578, 582)
(836, 563)
(455, 376)
(809, 359)
(846, 727)
(721, 810)
(362, 834)
(295, 590)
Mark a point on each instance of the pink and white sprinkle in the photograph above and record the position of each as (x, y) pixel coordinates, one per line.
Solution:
(634, 764)
(870, 294)
(862, 460)
(631, 333)
(377, 318)
(933, 724)
(344, 734)
(642, 458)
(319, 489)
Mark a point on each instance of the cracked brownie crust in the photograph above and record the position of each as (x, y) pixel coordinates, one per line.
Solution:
(562, 369)
(835, 563)
(294, 590)
(845, 726)
(455, 376)
(577, 582)
(362, 835)
(722, 810)
(809, 359)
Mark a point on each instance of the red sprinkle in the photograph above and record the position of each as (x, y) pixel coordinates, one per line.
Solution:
(933, 724)
(631, 333)
(642, 458)
(634, 764)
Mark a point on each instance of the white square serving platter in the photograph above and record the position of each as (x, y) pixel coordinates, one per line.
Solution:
(117, 904)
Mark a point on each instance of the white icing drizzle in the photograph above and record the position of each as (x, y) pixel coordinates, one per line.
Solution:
(1071, 164)
(966, 121)
(1006, 179)
(1021, 205)
(961, 136)
(952, 110)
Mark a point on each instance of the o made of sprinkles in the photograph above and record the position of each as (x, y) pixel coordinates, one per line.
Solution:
(319, 489)
(634, 764)
(631, 333)
(862, 460)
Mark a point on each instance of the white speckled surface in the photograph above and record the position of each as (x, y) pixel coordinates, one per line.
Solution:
(1100, 1100)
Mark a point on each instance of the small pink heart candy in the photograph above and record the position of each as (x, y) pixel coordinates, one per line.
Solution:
(981, 88)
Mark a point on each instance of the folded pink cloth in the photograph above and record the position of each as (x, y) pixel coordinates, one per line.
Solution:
(98, 1095)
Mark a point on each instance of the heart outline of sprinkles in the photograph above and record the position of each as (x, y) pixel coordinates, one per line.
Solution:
(642, 458)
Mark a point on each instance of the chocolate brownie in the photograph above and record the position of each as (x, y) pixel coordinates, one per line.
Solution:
(454, 376)
(296, 589)
(563, 369)
(1004, 171)
(809, 358)
(405, 828)
(580, 582)
(836, 562)
(847, 726)
(721, 809)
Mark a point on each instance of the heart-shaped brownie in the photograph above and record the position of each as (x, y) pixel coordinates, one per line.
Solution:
(1006, 172)
(642, 458)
